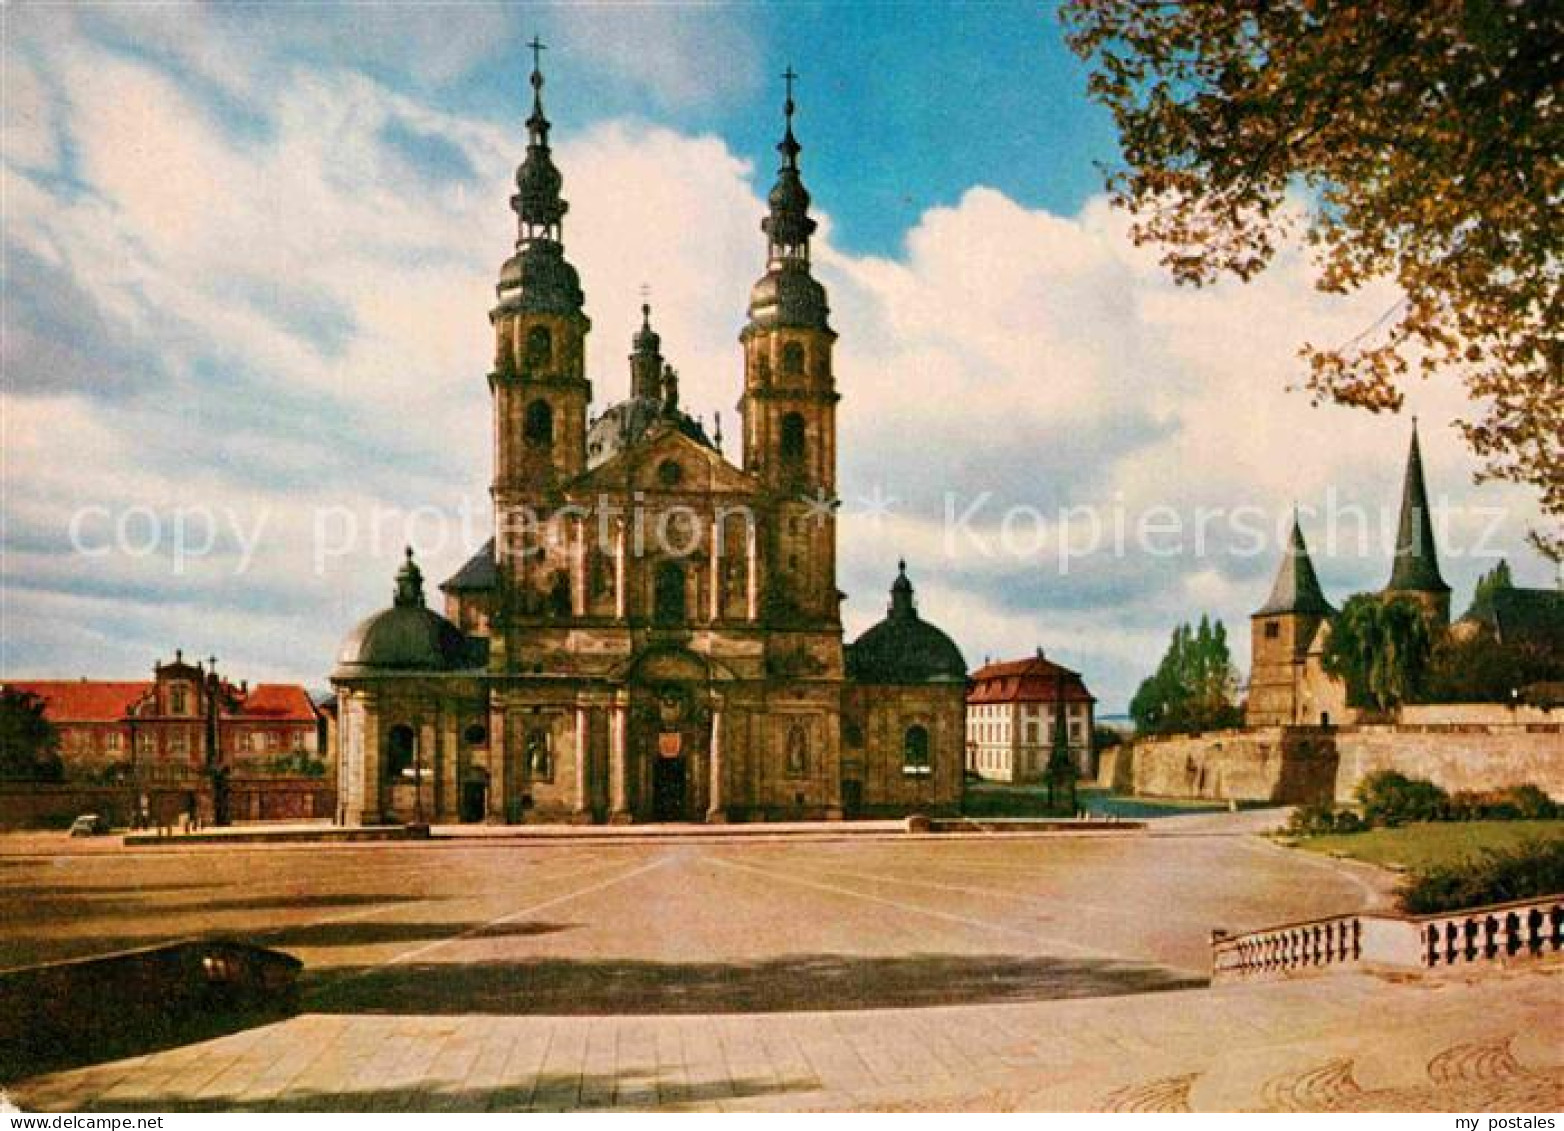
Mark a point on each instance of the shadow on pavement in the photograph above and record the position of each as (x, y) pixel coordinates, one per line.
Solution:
(632, 1087)
(28, 948)
(783, 985)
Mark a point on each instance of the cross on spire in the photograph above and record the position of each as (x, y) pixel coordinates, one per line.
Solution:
(538, 48)
(788, 76)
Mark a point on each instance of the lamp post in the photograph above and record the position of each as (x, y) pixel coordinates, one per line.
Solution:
(216, 772)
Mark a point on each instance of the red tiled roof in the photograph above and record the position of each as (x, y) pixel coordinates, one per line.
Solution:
(285, 701)
(104, 701)
(84, 700)
(1033, 680)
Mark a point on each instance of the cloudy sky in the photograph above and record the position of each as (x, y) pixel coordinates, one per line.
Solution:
(249, 254)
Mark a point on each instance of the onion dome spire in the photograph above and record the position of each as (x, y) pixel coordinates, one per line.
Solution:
(409, 584)
(1416, 568)
(789, 226)
(788, 295)
(538, 279)
(537, 202)
(646, 359)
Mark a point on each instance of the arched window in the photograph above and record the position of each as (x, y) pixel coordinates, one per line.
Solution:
(668, 604)
(915, 751)
(540, 346)
(793, 440)
(401, 748)
(475, 735)
(793, 358)
(797, 750)
(538, 428)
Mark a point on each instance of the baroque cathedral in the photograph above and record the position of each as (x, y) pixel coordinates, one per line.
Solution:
(653, 633)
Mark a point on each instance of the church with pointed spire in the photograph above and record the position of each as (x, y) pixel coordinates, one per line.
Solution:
(653, 632)
(1288, 684)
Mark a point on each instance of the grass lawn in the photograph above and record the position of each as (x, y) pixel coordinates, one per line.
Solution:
(1443, 842)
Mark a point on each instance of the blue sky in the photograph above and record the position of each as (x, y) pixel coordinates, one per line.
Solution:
(250, 252)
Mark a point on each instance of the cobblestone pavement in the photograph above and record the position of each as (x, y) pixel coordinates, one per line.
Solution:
(980, 972)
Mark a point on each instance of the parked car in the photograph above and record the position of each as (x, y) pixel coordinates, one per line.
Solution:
(89, 824)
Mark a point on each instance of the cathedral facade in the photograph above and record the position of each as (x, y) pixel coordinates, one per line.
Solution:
(653, 633)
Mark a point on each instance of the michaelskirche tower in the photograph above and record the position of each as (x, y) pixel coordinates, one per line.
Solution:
(652, 633)
(1415, 574)
(1282, 632)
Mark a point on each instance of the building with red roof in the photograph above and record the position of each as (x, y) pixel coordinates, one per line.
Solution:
(155, 731)
(1013, 708)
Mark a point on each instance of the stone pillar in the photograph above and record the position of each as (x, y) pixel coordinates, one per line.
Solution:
(578, 568)
(499, 778)
(621, 606)
(752, 575)
(428, 761)
(448, 783)
(619, 761)
(371, 799)
(716, 801)
(714, 572)
(583, 803)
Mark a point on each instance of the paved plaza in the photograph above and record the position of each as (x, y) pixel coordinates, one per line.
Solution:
(809, 971)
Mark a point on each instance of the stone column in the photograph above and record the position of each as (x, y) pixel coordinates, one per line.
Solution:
(618, 761)
(621, 606)
(578, 571)
(448, 783)
(428, 759)
(499, 778)
(752, 580)
(583, 805)
(716, 812)
(714, 572)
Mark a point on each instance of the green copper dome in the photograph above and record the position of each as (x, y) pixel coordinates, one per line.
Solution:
(904, 648)
(407, 637)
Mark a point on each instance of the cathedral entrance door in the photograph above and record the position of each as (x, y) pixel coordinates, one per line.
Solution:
(669, 779)
(475, 795)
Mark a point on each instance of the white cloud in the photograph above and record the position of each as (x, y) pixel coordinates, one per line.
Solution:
(301, 315)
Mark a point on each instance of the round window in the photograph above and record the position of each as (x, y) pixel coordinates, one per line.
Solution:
(670, 473)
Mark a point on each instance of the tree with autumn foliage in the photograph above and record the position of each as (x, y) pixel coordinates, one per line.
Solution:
(1419, 142)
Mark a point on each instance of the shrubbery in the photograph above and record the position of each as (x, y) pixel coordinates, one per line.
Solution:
(1499, 875)
(1388, 798)
(1391, 798)
(1321, 818)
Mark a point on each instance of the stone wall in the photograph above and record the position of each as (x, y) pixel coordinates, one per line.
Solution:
(1297, 765)
(1464, 756)
(1284, 765)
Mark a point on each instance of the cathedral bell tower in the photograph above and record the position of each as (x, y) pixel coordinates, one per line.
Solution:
(540, 389)
(789, 401)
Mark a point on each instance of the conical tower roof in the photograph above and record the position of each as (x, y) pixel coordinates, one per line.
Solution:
(1297, 587)
(1416, 569)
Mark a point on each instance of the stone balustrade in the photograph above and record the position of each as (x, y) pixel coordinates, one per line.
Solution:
(1494, 934)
